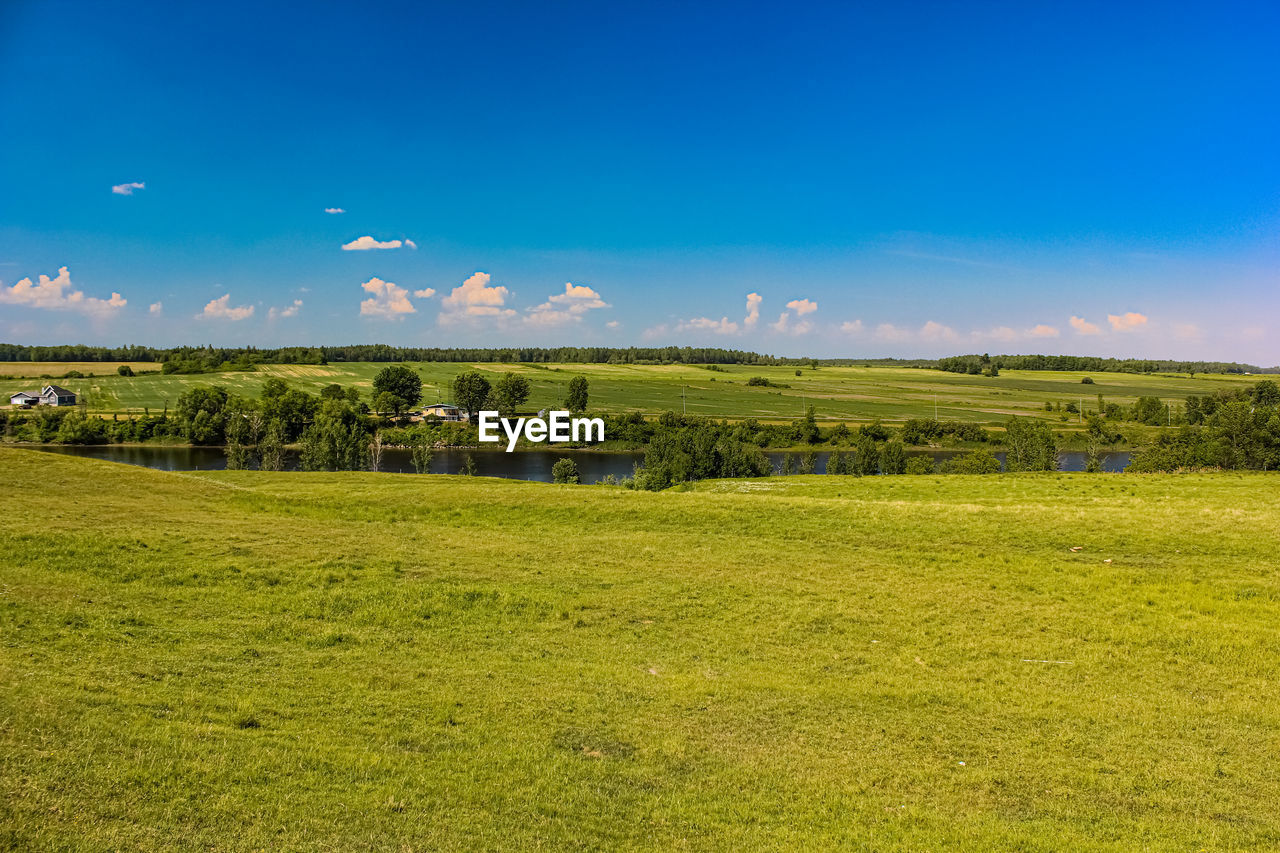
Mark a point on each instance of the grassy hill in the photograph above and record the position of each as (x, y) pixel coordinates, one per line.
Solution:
(854, 394)
(245, 660)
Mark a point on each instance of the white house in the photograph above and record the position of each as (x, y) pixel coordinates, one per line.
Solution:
(23, 398)
(50, 395)
(445, 412)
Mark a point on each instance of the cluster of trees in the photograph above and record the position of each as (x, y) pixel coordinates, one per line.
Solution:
(1231, 431)
(975, 364)
(472, 392)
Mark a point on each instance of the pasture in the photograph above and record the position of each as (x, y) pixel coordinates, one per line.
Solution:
(850, 394)
(247, 661)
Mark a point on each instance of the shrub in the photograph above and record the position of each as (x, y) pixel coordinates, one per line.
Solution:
(976, 462)
(565, 471)
(1086, 381)
(124, 370)
(920, 465)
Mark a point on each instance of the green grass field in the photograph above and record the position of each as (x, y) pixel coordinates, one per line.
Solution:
(853, 394)
(254, 661)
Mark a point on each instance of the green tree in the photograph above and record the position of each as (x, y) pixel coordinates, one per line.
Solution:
(1031, 445)
(401, 381)
(808, 463)
(893, 459)
(577, 400)
(420, 453)
(124, 370)
(510, 393)
(565, 471)
(921, 464)
(470, 392)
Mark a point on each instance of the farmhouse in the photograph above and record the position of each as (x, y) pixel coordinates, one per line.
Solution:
(445, 412)
(50, 395)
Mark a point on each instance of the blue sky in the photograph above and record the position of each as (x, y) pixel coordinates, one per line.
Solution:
(888, 179)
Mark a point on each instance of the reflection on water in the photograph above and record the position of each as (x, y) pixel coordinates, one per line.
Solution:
(593, 466)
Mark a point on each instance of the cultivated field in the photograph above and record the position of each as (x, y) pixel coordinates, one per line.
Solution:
(248, 661)
(853, 394)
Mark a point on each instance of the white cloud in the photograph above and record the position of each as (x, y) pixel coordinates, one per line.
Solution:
(612, 324)
(425, 293)
(475, 298)
(851, 327)
(723, 326)
(578, 298)
(410, 244)
(932, 331)
(890, 332)
(57, 294)
(287, 311)
(753, 310)
(1043, 331)
(655, 332)
(1003, 334)
(388, 299)
(127, 189)
(1127, 322)
(1084, 327)
(156, 308)
(363, 244)
(222, 309)
(334, 210)
(802, 306)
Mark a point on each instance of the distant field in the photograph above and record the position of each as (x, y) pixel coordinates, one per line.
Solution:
(852, 394)
(254, 661)
(57, 368)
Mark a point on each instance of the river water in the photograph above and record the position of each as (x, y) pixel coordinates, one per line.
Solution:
(593, 465)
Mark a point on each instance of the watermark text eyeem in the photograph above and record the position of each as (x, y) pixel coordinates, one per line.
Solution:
(558, 427)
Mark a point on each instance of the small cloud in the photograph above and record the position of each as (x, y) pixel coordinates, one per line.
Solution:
(802, 306)
(410, 244)
(753, 310)
(890, 332)
(851, 327)
(304, 290)
(156, 308)
(127, 189)
(425, 293)
(932, 331)
(334, 210)
(475, 298)
(723, 326)
(1084, 327)
(655, 332)
(363, 244)
(1043, 331)
(57, 294)
(222, 309)
(287, 311)
(1003, 334)
(1127, 322)
(612, 324)
(578, 298)
(388, 299)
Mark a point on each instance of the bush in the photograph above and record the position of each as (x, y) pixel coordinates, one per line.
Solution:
(920, 465)
(758, 381)
(124, 370)
(1086, 381)
(565, 471)
(976, 462)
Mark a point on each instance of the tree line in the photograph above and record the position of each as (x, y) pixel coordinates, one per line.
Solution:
(977, 364)
(212, 358)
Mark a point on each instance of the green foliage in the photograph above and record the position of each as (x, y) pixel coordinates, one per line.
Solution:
(920, 464)
(1030, 446)
(402, 383)
(124, 370)
(338, 440)
(975, 462)
(565, 471)
(470, 392)
(576, 401)
(510, 393)
(893, 458)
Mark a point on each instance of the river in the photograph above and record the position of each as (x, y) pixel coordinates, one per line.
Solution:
(593, 465)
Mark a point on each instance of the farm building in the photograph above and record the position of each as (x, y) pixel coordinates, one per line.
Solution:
(445, 412)
(50, 395)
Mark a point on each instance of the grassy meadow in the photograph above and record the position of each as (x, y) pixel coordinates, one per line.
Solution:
(851, 394)
(249, 661)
